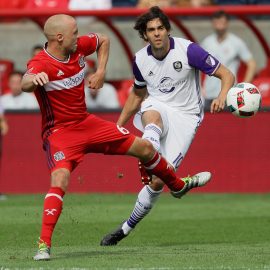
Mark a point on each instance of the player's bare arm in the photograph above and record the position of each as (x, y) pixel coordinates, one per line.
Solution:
(132, 105)
(227, 81)
(96, 80)
(31, 81)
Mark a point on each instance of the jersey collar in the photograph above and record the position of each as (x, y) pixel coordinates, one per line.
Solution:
(59, 60)
(149, 49)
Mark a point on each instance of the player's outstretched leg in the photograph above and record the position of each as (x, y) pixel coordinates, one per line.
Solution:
(197, 180)
(145, 201)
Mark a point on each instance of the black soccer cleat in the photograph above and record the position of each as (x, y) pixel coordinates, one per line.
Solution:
(114, 237)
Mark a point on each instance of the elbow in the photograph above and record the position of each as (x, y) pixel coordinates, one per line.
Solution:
(103, 39)
(106, 39)
(23, 88)
(26, 88)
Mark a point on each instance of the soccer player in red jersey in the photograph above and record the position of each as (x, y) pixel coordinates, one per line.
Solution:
(56, 76)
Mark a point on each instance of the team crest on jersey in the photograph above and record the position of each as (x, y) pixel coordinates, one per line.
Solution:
(59, 156)
(81, 61)
(177, 66)
(210, 61)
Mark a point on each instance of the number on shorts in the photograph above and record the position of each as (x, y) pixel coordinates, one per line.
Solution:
(123, 130)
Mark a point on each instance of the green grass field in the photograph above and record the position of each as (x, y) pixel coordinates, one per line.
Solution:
(200, 231)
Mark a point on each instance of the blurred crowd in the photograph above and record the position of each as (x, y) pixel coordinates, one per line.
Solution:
(107, 4)
(230, 49)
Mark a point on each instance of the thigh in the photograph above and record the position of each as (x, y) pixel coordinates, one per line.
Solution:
(181, 131)
(159, 118)
(107, 137)
(153, 117)
(64, 149)
(67, 147)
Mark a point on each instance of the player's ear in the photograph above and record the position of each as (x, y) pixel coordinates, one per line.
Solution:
(60, 37)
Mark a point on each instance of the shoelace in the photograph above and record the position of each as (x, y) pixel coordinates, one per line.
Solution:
(42, 246)
(186, 179)
(191, 181)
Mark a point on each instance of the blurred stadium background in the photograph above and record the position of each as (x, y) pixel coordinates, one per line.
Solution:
(235, 150)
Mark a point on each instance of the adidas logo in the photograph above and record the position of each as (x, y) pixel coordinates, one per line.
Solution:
(150, 73)
(60, 73)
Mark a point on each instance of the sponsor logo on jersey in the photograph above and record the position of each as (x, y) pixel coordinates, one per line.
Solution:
(81, 61)
(210, 61)
(59, 156)
(66, 83)
(166, 85)
(74, 81)
(177, 66)
(150, 73)
(60, 73)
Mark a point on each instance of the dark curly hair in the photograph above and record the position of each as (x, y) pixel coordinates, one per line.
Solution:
(153, 13)
(219, 14)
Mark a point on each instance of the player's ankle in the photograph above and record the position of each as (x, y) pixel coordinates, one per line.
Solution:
(126, 228)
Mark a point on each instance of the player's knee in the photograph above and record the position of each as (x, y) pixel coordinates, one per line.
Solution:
(142, 149)
(60, 178)
(148, 150)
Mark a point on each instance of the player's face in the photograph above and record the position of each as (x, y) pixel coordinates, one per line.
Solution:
(157, 35)
(71, 38)
(220, 25)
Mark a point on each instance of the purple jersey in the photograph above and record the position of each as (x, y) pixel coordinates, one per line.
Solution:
(175, 79)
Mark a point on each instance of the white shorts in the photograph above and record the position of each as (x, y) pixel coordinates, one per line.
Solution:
(179, 129)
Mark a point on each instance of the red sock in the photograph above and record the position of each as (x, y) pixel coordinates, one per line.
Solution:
(159, 167)
(52, 209)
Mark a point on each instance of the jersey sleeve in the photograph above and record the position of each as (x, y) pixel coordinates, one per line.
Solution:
(201, 59)
(139, 81)
(88, 44)
(35, 67)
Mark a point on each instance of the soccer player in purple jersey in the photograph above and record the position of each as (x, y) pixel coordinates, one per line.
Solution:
(166, 101)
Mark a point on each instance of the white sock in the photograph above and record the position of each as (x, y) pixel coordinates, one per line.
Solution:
(152, 133)
(146, 200)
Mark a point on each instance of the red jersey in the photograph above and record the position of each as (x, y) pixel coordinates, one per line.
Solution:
(62, 99)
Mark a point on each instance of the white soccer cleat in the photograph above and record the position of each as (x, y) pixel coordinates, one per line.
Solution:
(43, 253)
(197, 180)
